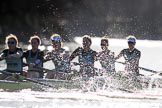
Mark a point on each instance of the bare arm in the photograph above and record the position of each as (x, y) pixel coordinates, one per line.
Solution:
(138, 57)
(74, 54)
(18, 54)
(2, 56)
(119, 55)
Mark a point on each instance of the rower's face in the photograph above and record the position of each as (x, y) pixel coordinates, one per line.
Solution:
(131, 45)
(86, 43)
(11, 44)
(56, 45)
(34, 43)
(104, 45)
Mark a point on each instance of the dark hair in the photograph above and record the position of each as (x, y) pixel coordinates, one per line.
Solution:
(35, 37)
(88, 38)
(105, 38)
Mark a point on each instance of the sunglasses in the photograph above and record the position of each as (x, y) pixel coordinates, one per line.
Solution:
(10, 42)
(103, 44)
(33, 42)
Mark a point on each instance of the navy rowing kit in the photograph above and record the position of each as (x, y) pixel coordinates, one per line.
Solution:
(107, 61)
(86, 58)
(132, 59)
(36, 58)
(14, 65)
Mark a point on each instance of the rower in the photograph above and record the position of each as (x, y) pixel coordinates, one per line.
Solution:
(131, 56)
(59, 56)
(106, 56)
(86, 57)
(34, 58)
(13, 56)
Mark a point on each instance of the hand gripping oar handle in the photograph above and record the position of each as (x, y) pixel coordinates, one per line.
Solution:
(142, 68)
(21, 78)
(88, 65)
(37, 67)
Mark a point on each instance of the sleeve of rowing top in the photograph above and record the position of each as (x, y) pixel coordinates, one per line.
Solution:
(41, 55)
(19, 52)
(75, 53)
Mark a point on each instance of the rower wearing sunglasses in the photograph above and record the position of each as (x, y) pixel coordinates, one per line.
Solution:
(131, 56)
(59, 56)
(106, 56)
(86, 57)
(13, 55)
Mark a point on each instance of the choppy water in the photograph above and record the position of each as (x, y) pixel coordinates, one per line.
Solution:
(150, 98)
(30, 99)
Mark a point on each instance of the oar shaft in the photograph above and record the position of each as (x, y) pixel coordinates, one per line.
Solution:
(37, 82)
(142, 68)
(148, 70)
(20, 77)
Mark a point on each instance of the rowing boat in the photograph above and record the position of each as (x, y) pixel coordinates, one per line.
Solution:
(105, 82)
(41, 86)
(6, 85)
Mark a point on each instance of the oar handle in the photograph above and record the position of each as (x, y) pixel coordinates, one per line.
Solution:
(91, 66)
(153, 71)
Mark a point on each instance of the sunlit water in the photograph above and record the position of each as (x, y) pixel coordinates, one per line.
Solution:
(150, 98)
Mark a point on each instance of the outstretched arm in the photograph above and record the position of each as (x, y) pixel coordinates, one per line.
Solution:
(74, 54)
(2, 55)
(18, 54)
(137, 58)
(119, 55)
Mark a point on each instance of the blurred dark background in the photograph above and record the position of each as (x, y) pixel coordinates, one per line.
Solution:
(70, 18)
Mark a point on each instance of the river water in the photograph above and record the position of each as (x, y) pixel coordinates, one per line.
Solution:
(150, 98)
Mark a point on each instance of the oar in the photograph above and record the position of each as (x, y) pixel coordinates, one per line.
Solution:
(6, 81)
(125, 90)
(142, 68)
(21, 78)
(45, 69)
(71, 72)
